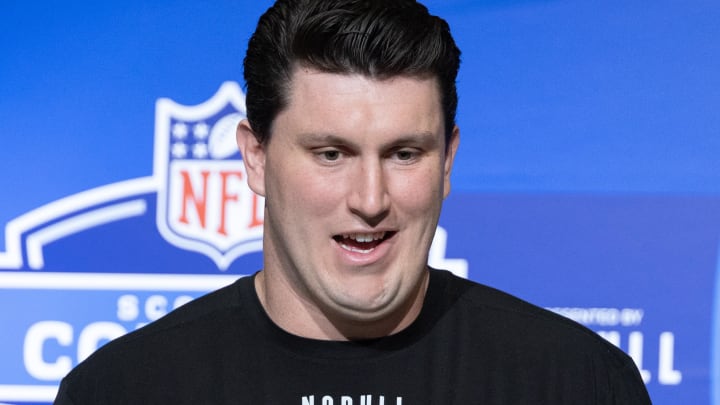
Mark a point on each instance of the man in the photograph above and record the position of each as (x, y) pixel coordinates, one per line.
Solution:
(351, 138)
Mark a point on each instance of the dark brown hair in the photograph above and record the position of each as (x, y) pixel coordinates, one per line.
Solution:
(376, 38)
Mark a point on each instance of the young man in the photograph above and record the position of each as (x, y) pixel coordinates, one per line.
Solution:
(351, 138)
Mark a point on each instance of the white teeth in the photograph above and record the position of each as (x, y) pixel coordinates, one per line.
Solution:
(365, 237)
(354, 249)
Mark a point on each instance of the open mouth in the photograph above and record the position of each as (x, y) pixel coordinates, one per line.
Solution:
(362, 242)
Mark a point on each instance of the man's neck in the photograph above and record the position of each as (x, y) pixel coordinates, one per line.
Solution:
(291, 311)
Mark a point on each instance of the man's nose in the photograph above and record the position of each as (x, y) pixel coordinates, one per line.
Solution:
(369, 198)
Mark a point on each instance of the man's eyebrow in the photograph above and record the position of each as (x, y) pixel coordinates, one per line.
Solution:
(418, 139)
(426, 138)
(323, 138)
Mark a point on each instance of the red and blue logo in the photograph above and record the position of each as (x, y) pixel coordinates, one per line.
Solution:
(204, 203)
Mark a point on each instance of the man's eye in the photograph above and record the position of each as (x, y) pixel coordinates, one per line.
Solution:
(330, 155)
(405, 154)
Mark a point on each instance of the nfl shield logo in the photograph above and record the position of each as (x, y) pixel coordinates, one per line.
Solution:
(204, 202)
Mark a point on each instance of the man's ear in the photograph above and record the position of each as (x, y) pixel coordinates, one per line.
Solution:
(253, 155)
(452, 147)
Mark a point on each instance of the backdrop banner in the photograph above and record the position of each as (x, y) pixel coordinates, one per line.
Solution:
(587, 179)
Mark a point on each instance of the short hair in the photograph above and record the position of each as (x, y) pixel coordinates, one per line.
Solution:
(376, 38)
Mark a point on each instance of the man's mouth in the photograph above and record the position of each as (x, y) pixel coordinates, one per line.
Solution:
(362, 242)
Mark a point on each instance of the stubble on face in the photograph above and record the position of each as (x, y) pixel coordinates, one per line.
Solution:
(354, 175)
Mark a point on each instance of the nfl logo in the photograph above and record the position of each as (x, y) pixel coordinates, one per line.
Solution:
(204, 202)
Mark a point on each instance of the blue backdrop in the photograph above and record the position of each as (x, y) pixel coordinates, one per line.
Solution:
(587, 181)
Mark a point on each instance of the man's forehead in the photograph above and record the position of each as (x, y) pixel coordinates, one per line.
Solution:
(307, 71)
(309, 83)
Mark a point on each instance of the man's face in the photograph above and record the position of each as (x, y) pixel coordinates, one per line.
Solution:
(354, 175)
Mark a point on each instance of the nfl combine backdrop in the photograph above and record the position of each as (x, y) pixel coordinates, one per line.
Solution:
(588, 181)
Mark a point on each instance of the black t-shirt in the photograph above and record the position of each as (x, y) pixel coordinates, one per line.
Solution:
(471, 344)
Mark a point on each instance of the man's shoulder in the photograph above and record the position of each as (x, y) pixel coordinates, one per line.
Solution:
(216, 304)
(491, 311)
(481, 298)
(517, 339)
(198, 320)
